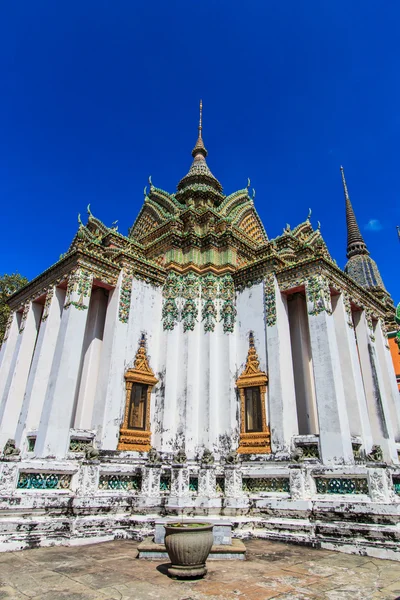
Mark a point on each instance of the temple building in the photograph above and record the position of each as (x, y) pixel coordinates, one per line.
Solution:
(197, 365)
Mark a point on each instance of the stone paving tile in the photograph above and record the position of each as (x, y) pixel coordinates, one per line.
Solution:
(110, 571)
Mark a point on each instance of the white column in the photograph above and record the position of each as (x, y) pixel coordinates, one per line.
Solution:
(92, 346)
(215, 396)
(334, 430)
(203, 408)
(303, 373)
(55, 421)
(41, 364)
(192, 389)
(378, 409)
(226, 394)
(7, 348)
(14, 389)
(110, 390)
(356, 401)
(389, 378)
(281, 391)
(174, 371)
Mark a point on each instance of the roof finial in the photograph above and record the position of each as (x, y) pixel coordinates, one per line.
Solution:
(346, 193)
(199, 151)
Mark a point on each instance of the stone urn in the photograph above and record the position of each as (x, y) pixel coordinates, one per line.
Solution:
(188, 545)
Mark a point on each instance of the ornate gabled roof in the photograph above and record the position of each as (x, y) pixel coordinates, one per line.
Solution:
(360, 266)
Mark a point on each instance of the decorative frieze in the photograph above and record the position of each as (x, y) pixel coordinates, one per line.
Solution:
(79, 284)
(341, 485)
(347, 307)
(384, 333)
(8, 327)
(43, 481)
(125, 295)
(252, 485)
(189, 315)
(318, 295)
(228, 316)
(184, 294)
(25, 311)
(368, 318)
(270, 300)
(209, 315)
(120, 482)
(47, 303)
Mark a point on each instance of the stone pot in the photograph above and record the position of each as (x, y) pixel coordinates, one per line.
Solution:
(188, 545)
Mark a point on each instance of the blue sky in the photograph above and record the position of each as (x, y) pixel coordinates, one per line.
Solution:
(96, 96)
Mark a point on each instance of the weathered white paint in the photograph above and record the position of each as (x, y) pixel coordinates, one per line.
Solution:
(389, 379)
(193, 399)
(216, 396)
(173, 377)
(55, 421)
(334, 429)
(110, 389)
(250, 317)
(281, 390)
(378, 409)
(13, 393)
(144, 318)
(226, 392)
(356, 401)
(90, 360)
(203, 408)
(40, 370)
(303, 373)
(7, 349)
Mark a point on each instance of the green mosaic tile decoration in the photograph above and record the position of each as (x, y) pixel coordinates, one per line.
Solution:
(318, 295)
(343, 485)
(220, 485)
(43, 481)
(121, 482)
(270, 300)
(310, 450)
(31, 444)
(252, 485)
(165, 483)
(193, 484)
(79, 444)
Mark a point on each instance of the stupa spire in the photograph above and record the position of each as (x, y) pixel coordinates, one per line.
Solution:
(199, 149)
(199, 185)
(355, 241)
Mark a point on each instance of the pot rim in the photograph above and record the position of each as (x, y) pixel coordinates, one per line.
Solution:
(179, 526)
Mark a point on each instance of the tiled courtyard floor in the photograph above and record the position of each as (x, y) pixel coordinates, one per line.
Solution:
(273, 570)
